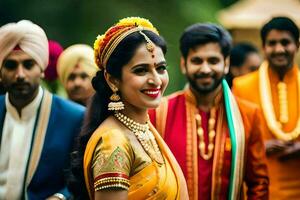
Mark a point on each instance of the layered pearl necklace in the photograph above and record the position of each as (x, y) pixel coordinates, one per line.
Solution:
(144, 136)
(211, 134)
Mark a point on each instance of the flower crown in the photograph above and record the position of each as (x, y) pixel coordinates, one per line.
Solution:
(105, 44)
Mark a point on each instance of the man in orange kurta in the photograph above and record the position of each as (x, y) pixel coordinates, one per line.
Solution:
(209, 131)
(275, 88)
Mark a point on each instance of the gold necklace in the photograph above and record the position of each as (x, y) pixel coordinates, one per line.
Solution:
(283, 103)
(144, 136)
(211, 134)
(268, 109)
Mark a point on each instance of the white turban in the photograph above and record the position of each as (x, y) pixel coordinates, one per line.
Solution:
(78, 54)
(29, 37)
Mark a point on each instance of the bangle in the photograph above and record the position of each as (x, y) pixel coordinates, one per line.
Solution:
(60, 196)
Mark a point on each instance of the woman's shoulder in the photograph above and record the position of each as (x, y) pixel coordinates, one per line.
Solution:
(112, 151)
(109, 137)
(110, 130)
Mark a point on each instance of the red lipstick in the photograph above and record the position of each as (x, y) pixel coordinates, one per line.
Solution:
(153, 93)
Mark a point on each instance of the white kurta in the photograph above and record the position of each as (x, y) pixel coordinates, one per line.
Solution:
(15, 147)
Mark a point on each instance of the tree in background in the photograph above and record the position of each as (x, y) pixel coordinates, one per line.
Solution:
(75, 21)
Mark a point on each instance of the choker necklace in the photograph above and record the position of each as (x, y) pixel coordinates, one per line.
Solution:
(211, 134)
(144, 136)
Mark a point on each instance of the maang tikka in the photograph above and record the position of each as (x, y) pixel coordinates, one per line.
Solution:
(115, 103)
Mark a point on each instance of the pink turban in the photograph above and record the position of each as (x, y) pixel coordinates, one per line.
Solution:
(55, 49)
(29, 37)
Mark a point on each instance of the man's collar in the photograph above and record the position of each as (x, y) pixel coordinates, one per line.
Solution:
(28, 111)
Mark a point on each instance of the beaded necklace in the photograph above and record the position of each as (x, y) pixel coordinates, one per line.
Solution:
(268, 108)
(144, 136)
(211, 134)
(283, 103)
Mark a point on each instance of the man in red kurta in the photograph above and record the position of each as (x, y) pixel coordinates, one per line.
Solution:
(216, 138)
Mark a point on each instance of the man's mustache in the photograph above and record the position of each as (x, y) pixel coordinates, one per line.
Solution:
(279, 54)
(210, 75)
(20, 84)
(76, 88)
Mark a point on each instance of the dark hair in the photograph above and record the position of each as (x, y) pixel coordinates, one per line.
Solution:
(200, 34)
(240, 52)
(97, 108)
(282, 24)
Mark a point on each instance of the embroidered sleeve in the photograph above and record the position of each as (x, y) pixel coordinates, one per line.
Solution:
(112, 162)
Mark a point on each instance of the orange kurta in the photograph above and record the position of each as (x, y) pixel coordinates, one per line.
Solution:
(284, 175)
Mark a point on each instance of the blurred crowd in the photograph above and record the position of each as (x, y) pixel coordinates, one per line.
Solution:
(92, 122)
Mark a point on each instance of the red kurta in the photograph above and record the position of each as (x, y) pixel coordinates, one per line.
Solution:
(175, 120)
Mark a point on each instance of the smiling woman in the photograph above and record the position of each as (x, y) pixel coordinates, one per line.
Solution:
(123, 155)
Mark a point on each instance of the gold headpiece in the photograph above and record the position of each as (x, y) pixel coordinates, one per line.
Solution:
(105, 44)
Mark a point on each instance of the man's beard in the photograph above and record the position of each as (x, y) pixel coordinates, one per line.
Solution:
(21, 90)
(281, 67)
(205, 89)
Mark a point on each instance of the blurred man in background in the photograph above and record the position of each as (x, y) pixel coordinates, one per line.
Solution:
(244, 58)
(76, 69)
(275, 87)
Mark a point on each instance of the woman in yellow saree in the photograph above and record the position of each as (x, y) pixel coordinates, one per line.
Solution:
(124, 156)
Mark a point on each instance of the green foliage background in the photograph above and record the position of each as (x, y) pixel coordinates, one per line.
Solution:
(78, 21)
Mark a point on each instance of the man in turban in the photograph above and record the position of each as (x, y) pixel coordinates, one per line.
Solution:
(37, 128)
(76, 67)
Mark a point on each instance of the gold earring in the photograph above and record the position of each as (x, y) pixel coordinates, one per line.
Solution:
(115, 103)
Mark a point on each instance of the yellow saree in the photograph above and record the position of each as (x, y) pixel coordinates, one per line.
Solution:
(145, 178)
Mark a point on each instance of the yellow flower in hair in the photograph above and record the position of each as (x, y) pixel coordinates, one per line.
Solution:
(98, 41)
(137, 21)
(120, 30)
(97, 46)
